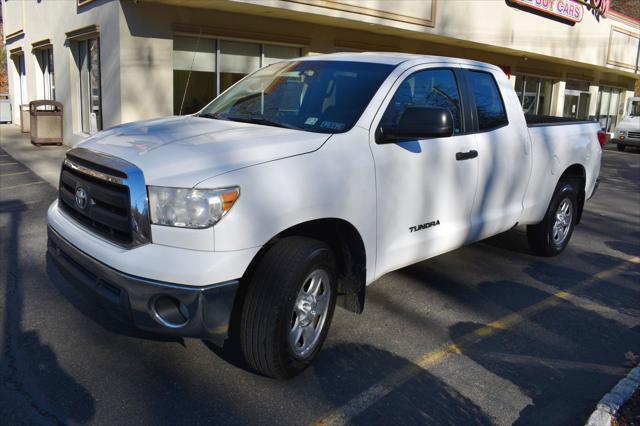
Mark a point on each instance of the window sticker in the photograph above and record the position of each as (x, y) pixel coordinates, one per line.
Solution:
(311, 121)
(332, 125)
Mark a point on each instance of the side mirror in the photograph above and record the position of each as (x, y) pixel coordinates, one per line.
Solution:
(418, 123)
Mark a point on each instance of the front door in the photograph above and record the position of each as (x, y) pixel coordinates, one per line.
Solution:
(424, 194)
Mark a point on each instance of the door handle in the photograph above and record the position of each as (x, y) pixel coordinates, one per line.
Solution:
(466, 155)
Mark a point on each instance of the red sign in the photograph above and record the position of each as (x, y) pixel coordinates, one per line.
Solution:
(569, 10)
(598, 8)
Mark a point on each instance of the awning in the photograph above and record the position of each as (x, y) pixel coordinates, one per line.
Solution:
(10, 38)
(83, 33)
(16, 51)
(42, 44)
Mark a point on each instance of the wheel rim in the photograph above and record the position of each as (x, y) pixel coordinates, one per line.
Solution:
(562, 223)
(310, 313)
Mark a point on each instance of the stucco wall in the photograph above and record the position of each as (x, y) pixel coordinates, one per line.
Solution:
(52, 19)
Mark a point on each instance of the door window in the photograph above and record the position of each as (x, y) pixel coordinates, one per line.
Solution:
(576, 100)
(430, 88)
(45, 60)
(22, 78)
(90, 91)
(489, 105)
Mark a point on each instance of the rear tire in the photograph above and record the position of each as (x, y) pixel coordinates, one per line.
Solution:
(291, 294)
(551, 236)
(621, 147)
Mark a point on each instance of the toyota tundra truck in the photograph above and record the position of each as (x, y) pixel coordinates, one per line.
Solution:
(302, 184)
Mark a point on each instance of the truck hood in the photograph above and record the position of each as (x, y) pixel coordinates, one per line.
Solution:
(182, 151)
(630, 123)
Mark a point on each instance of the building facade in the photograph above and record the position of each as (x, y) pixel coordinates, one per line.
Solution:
(115, 61)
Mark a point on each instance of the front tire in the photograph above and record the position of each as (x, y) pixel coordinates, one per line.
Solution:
(288, 307)
(551, 236)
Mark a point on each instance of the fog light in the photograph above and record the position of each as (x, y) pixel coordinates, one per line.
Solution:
(170, 312)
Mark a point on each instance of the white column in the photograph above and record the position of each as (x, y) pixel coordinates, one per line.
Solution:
(593, 99)
(557, 100)
(512, 80)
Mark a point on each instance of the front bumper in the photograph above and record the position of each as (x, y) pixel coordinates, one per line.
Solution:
(626, 141)
(201, 312)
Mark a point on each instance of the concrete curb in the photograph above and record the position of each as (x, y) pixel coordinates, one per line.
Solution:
(610, 404)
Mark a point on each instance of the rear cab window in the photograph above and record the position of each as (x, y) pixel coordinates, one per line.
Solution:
(489, 106)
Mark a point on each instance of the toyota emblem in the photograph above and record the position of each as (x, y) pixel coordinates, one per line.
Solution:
(81, 198)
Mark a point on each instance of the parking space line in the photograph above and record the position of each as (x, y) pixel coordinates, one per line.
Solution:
(14, 174)
(22, 185)
(7, 164)
(558, 364)
(590, 305)
(370, 396)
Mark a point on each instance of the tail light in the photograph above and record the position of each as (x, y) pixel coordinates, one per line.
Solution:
(602, 138)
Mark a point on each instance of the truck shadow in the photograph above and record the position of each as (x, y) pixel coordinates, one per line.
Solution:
(564, 355)
(420, 399)
(29, 368)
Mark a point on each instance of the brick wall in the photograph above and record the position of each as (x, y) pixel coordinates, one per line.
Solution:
(627, 7)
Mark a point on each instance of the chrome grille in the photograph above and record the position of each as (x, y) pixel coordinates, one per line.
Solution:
(106, 195)
(634, 135)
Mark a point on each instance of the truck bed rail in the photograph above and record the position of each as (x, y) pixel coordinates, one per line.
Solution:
(534, 120)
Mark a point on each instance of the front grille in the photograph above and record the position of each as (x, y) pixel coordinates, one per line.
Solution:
(107, 208)
(634, 135)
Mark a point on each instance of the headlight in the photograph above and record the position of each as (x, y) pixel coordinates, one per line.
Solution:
(190, 208)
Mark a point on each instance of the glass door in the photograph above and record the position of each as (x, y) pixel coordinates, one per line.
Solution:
(608, 106)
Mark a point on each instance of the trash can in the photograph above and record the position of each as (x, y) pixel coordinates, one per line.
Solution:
(5, 108)
(46, 122)
(25, 120)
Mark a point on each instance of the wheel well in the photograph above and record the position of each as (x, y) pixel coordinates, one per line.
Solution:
(348, 248)
(577, 174)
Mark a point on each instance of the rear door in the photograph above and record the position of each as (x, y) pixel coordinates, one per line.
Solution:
(424, 193)
(504, 158)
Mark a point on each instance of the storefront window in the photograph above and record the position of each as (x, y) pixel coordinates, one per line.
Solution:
(204, 67)
(534, 94)
(576, 100)
(272, 53)
(609, 105)
(237, 59)
(194, 73)
(90, 91)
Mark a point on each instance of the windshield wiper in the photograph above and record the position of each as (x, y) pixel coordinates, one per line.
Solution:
(261, 120)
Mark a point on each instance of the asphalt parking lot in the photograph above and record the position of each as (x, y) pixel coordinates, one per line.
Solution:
(488, 334)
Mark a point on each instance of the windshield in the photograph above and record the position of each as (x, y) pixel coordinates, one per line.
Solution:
(634, 111)
(317, 96)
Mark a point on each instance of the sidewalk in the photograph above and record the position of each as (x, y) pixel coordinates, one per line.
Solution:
(45, 161)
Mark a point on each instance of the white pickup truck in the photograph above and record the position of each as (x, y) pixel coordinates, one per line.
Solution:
(302, 184)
